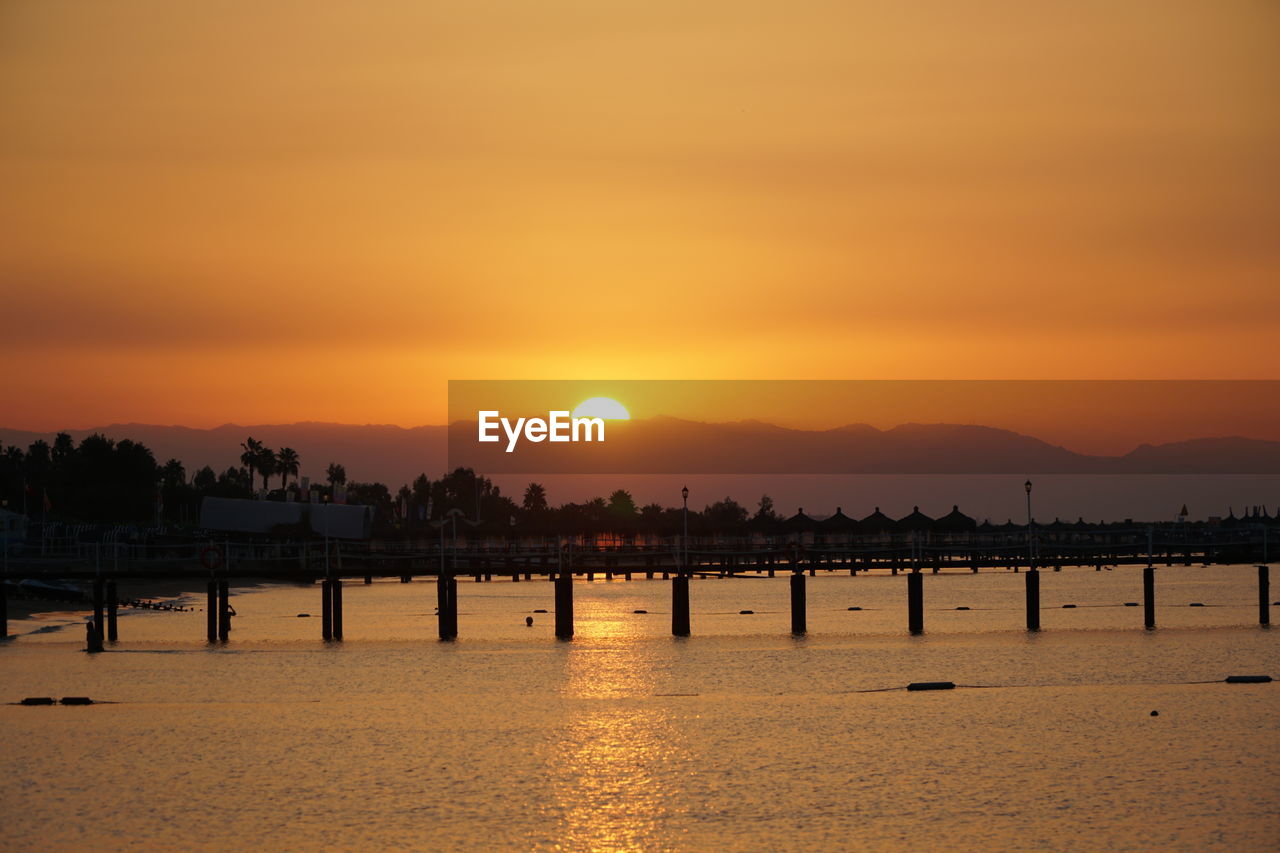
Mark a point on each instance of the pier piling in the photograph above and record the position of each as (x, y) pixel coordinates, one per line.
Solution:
(113, 604)
(447, 606)
(1033, 600)
(680, 605)
(92, 638)
(797, 603)
(564, 605)
(1264, 595)
(224, 610)
(326, 610)
(1149, 597)
(211, 612)
(99, 603)
(335, 593)
(915, 603)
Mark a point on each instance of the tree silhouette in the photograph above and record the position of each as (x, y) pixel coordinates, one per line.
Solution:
(765, 512)
(266, 462)
(63, 448)
(621, 504)
(535, 499)
(336, 474)
(421, 494)
(286, 464)
(204, 480)
(252, 453)
(173, 474)
(726, 514)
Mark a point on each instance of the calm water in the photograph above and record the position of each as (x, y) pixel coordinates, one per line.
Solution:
(738, 738)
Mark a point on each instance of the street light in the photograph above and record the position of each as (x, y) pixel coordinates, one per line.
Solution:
(1031, 554)
(684, 540)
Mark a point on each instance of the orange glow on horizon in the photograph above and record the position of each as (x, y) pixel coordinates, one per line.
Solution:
(270, 214)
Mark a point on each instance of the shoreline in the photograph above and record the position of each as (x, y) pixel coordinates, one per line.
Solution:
(53, 614)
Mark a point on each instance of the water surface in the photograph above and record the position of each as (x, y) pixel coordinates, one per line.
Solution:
(740, 737)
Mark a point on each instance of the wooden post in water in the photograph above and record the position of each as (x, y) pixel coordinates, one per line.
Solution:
(447, 605)
(564, 605)
(98, 604)
(1033, 600)
(680, 605)
(442, 605)
(92, 639)
(335, 593)
(1149, 597)
(1264, 595)
(798, 625)
(326, 610)
(211, 611)
(112, 605)
(224, 610)
(451, 587)
(915, 603)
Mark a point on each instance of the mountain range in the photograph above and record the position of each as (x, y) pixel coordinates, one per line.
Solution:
(664, 445)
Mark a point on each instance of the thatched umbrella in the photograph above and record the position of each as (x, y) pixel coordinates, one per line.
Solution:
(838, 523)
(877, 522)
(955, 522)
(799, 523)
(917, 520)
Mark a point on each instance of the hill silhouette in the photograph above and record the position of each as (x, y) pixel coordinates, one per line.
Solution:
(665, 445)
(662, 445)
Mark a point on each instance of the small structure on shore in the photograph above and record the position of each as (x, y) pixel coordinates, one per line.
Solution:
(13, 529)
(339, 521)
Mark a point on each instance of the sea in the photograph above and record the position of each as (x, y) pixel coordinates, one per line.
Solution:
(1091, 734)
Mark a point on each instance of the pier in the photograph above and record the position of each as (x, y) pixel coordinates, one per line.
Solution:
(219, 564)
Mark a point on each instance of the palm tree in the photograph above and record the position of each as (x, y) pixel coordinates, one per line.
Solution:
(286, 464)
(535, 498)
(337, 474)
(621, 503)
(63, 447)
(252, 453)
(266, 465)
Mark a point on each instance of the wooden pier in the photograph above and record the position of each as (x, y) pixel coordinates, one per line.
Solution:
(217, 564)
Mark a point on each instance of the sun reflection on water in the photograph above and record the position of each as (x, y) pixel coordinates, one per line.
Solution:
(614, 765)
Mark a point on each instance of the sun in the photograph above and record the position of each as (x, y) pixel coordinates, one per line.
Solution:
(602, 407)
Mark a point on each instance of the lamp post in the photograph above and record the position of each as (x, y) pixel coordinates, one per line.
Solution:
(684, 540)
(1031, 551)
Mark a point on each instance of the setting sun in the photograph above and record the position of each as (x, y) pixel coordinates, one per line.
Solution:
(602, 407)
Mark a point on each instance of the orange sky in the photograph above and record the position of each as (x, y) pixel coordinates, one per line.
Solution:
(262, 212)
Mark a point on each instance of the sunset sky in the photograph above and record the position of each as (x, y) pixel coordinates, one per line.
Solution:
(271, 212)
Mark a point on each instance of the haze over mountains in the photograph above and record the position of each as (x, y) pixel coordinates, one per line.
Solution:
(394, 455)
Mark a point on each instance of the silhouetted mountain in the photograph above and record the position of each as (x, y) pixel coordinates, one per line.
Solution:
(665, 445)
(1232, 455)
